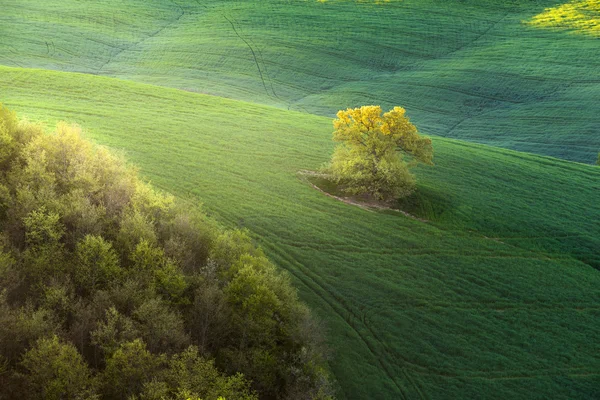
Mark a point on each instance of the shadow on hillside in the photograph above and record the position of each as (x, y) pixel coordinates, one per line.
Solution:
(429, 204)
(425, 204)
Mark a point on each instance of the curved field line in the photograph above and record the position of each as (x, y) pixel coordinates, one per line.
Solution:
(253, 55)
(317, 288)
(142, 40)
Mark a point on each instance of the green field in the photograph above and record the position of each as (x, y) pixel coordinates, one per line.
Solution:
(497, 295)
(466, 69)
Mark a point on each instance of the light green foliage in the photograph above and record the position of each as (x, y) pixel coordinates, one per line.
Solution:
(190, 373)
(58, 299)
(97, 264)
(229, 247)
(136, 228)
(55, 370)
(263, 306)
(598, 160)
(68, 156)
(370, 158)
(44, 256)
(8, 124)
(171, 283)
(128, 369)
(145, 257)
(149, 202)
(43, 228)
(149, 262)
(115, 330)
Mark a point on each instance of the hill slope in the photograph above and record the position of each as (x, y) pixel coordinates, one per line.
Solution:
(468, 69)
(495, 297)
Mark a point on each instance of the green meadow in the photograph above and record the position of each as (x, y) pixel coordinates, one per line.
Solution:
(475, 70)
(491, 291)
(495, 296)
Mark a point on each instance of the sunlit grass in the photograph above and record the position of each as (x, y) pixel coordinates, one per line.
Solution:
(581, 16)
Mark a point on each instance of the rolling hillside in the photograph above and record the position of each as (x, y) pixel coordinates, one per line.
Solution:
(503, 73)
(496, 296)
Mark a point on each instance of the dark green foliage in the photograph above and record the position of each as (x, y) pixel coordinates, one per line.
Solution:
(56, 371)
(128, 368)
(105, 284)
(21, 327)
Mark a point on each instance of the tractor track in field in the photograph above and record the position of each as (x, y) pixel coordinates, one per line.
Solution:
(510, 105)
(352, 318)
(13, 51)
(345, 314)
(479, 37)
(428, 253)
(264, 64)
(520, 375)
(150, 36)
(264, 72)
(260, 73)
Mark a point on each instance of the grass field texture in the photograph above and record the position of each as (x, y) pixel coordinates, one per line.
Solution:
(515, 74)
(497, 296)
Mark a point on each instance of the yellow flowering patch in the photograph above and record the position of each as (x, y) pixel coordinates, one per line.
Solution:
(362, 1)
(581, 16)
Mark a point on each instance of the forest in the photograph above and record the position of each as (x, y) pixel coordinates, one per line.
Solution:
(112, 289)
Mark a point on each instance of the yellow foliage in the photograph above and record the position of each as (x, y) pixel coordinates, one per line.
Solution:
(369, 159)
(582, 16)
(362, 1)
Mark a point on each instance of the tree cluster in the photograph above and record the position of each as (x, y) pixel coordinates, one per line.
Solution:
(376, 152)
(110, 289)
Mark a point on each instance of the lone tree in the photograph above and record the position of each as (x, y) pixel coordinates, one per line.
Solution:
(376, 152)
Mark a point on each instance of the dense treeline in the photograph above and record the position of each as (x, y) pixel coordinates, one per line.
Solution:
(112, 290)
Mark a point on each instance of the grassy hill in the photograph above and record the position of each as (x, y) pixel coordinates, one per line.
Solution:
(497, 296)
(485, 71)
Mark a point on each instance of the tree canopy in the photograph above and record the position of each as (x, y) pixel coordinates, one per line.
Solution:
(110, 289)
(376, 152)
